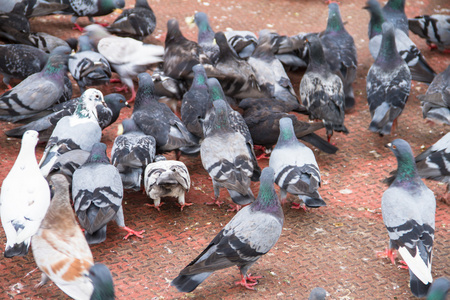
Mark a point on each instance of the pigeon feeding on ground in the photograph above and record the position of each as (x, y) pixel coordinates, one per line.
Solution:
(131, 152)
(137, 22)
(24, 198)
(318, 293)
(226, 157)
(420, 69)
(435, 29)
(97, 192)
(322, 91)
(20, 61)
(408, 207)
(388, 84)
(78, 131)
(295, 167)
(38, 91)
(62, 253)
(394, 12)
(436, 101)
(128, 57)
(340, 53)
(167, 178)
(252, 232)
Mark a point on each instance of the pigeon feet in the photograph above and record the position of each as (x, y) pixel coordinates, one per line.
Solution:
(155, 206)
(389, 253)
(123, 88)
(403, 265)
(185, 204)
(102, 24)
(265, 152)
(215, 202)
(235, 207)
(132, 232)
(115, 80)
(248, 281)
(77, 27)
(299, 205)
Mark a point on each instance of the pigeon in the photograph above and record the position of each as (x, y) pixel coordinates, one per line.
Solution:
(131, 152)
(88, 67)
(237, 76)
(68, 162)
(322, 91)
(196, 102)
(252, 232)
(46, 42)
(156, 119)
(14, 26)
(408, 208)
(270, 73)
(295, 167)
(435, 29)
(38, 91)
(436, 101)
(24, 198)
(340, 52)
(439, 289)
(78, 131)
(388, 84)
(243, 43)
(318, 293)
(262, 117)
(128, 57)
(205, 36)
(167, 178)
(45, 125)
(226, 157)
(394, 12)
(62, 253)
(137, 22)
(20, 61)
(97, 195)
(420, 69)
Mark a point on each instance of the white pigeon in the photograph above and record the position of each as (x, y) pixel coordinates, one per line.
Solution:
(167, 178)
(24, 198)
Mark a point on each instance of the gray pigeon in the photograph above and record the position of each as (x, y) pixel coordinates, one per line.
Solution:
(195, 102)
(156, 119)
(439, 290)
(137, 22)
(131, 152)
(97, 195)
(388, 84)
(322, 91)
(38, 91)
(20, 61)
(394, 12)
(295, 167)
(340, 53)
(46, 42)
(408, 208)
(226, 158)
(436, 101)
(435, 29)
(69, 162)
(420, 69)
(251, 233)
(243, 43)
(205, 37)
(24, 198)
(318, 293)
(88, 67)
(166, 178)
(78, 131)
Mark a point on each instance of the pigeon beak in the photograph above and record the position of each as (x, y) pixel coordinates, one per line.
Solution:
(388, 145)
(118, 11)
(366, 7)
(120, 129)
(104, 103)
(190, 21)
(127, 104)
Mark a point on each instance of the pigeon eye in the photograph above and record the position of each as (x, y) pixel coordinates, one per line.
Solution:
(394, 147)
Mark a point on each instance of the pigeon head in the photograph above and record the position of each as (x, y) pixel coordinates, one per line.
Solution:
(221, 114)
(199, 75)
(205, 32)
(287, 133)
(406, 166)
(87, 103)
(98, 154)
(128, 125)
(102, 281)
(142, 4)
(107, 6)
(316, 55)
(334, 18)
(57, 61)
(95, 33)
(30, 138)
(267, 199)
(215, 89)
(388, 48)
(146, 91)
(224, 47)
(376, 17)
(116, 102)
(173, 31)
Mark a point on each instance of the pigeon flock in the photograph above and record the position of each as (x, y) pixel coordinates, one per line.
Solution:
(259, 115)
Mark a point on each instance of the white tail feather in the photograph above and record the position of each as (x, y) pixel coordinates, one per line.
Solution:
(417, 265)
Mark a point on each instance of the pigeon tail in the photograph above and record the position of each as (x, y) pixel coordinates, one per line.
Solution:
(320, 143)
(312, 202)
(418, 288)
(241, 199)
(188, 283)
(96, 237)
(349, 103)
(17, 249)
(422, 71)
(381, 121)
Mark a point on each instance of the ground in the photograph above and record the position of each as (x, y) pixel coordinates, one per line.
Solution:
(332, 247)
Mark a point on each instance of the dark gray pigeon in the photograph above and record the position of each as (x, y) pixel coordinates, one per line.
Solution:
(318, 293)
(20, 61)
(46, 42)
(408, 208)
(388, 84)
(156, 119)
(131, 152)
(295, 167)
(137, 22)
(242, 42)
(394, 12)
(226, 157)
(38, 91)
(322, 91)
(436, 101)
(251, 233)
(78, 131)
(439, 289)
(97, 193)
(340, 53)
(205, 37)
(196, 102)
(420, 69)
(14, 26)
(88, 67)
(435, 29)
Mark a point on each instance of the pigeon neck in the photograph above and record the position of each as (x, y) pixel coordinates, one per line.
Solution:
(376, 21)
(267, 200)
(27, 154)
(221, 120)
(406, 170)
(205, 33)
(60, 209)
(56, 67)
(144, 97)
(286, 134)
(334, 21)
(97, 158)
(316, 55)
(216, 93)
(82, 111)
(199, 79)
(388, 49)
(398, 5)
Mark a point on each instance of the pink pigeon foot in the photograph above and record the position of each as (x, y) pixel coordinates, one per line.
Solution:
(155, 206)
(235, 207)
(215, 202)
(132, 232)
(183, 205)
(389, 253)
(248, 281)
